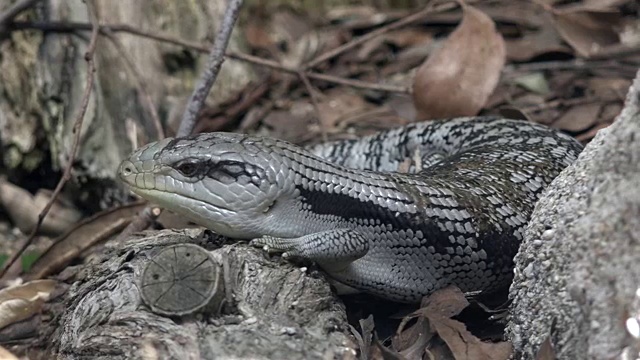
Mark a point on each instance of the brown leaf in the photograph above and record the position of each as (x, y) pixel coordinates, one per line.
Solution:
(544, 40)
(412, 342)
(339, 105)
(464, 345)
(23, 209)
(606, 89)
(21, 302)
(408, 37)
(446, 302)
(604, 4)
(438, 309)
(609, 112)
(586, 137)
(459, 77)
(579, 117)
(84, 235)
(587, 30)
(6, 355)
(292, 124)
(546, 351)
(511, 112)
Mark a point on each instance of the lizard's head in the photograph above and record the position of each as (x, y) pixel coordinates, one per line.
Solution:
(226, 182)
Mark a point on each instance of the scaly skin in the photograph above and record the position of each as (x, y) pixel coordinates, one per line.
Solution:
(399, 236)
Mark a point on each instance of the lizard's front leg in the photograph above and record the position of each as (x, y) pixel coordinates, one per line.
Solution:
(333, 250)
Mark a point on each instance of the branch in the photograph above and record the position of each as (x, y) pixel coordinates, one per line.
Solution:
(196, 101)
(314, 100)
(139, 83)
(208, 78)
(364, 38)
(76, 130)
(74, 26)
(16, 9)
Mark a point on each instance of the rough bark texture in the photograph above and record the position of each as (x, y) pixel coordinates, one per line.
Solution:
(278, 311)
(42, 78)
(577, 276)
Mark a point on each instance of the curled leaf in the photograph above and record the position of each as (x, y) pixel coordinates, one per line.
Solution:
(458, 78)
(21, 302)
(23, 209)
(588, 31)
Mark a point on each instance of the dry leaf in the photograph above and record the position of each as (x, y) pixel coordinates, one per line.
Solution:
(292, 124)
(587, 30)
(579, 117)
(6, 355)
(438, 309)
(604, 4)
(87, 233)
(546, 351)
(609, 112)
(464, 345)
(23, 209)
(459, 77)
(339, 105)
(534, 82)
(586, 137)
(412, 342)
(21, 302)
(609, 89)
(408, 37)
(356, 17)
(447, 302)
(510, 112)
(545, 40)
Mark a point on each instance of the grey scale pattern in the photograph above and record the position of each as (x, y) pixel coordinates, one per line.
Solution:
(344, 204)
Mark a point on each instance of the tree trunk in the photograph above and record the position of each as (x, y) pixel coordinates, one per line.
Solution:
(43, 76)
(577, 278)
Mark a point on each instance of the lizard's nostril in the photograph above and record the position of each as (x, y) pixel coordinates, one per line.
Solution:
(126, 169)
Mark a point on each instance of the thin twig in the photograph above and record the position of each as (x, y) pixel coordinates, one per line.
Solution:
(141, 222)
(314, 100)
(16, 9)
(74, 26)
(140, 83)
(359, 83)
(384, 29)
(575, 64)
(76, 130)
(196, 101)
(210, 73)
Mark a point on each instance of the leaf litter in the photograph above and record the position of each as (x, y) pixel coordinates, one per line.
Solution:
(458, 78)
(564, 64)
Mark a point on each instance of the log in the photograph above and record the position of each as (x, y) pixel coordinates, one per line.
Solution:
(577, 276)
(273, 310)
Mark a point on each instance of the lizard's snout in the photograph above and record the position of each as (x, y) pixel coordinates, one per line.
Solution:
(127, 172)
(126, 169)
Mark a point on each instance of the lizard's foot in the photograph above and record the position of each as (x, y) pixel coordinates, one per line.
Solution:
(334, 248)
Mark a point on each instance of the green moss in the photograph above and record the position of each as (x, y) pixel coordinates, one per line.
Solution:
(12, 157)
(3, 259)
(28, 258)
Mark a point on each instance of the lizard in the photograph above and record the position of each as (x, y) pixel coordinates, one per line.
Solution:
(456, 219)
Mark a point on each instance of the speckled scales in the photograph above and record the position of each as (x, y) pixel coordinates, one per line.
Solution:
(458, 221)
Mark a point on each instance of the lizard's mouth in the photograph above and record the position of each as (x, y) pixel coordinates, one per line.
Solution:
(148, 186)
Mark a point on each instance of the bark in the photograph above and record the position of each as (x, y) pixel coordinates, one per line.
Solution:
(577, 277)
(276, 311)
(42, 78)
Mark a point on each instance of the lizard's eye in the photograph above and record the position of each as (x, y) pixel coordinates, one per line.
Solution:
(188, 169)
